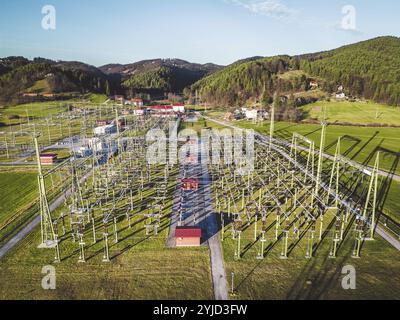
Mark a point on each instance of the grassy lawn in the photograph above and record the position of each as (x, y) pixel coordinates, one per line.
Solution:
(97, 98)
(362, 113)
(34, 110)
(146, 271)
(318, 278)
(17, 189)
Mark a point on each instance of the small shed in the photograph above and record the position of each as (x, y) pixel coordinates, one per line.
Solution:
(190, 184)
(48, 159)
(188, 237)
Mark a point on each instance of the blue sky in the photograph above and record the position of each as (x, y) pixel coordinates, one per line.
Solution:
(219, 31)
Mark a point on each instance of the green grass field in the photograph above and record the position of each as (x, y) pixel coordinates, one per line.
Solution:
(146, 271)
(319, 278)
(17, 189)
(360, 113)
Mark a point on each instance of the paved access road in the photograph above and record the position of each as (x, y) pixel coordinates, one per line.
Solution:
(197, 210)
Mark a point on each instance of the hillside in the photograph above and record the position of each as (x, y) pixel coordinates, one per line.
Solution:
(19, 76)
(128, 70)
(249, 79)
(41, 76)
(159, 75)
(367, 70)
(370, 70)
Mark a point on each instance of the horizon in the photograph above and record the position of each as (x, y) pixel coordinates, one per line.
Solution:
(130, 31)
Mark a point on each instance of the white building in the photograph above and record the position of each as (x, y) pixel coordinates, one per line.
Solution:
(179, 108)
(138, 112)
(341, 96)
(252, 114)
(104, 130)
(97, 145)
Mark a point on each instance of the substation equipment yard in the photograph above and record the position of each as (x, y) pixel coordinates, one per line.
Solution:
(112, 197)
(293, 199)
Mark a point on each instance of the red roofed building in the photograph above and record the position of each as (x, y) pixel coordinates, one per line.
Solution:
(48, 159)
(137, 103)
(188, 236)
(163, 111)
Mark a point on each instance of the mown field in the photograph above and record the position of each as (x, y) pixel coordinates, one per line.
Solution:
(318, 278)
(146, 271)
(359, 113)
(17, 189)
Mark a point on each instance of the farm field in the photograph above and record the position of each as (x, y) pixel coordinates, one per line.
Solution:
(17, 190)
(145, 271)
(359, 113)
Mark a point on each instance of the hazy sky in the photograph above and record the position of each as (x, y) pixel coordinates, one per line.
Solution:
(219, 31)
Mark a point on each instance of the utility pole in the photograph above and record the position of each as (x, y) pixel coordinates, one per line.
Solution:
(321, 157)
(373, 191)
(49, 239)
(272, 126)
(118, 130)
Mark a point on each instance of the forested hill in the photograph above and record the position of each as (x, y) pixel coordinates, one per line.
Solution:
(370, 69)
(19, 76)
(159, 75)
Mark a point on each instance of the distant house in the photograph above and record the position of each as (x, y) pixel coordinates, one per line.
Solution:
(251, 114)
(48, 159)
(341, 96)
(188, 236)
(162, 111)
(97, 145)
(137, 103)
(263, 114)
